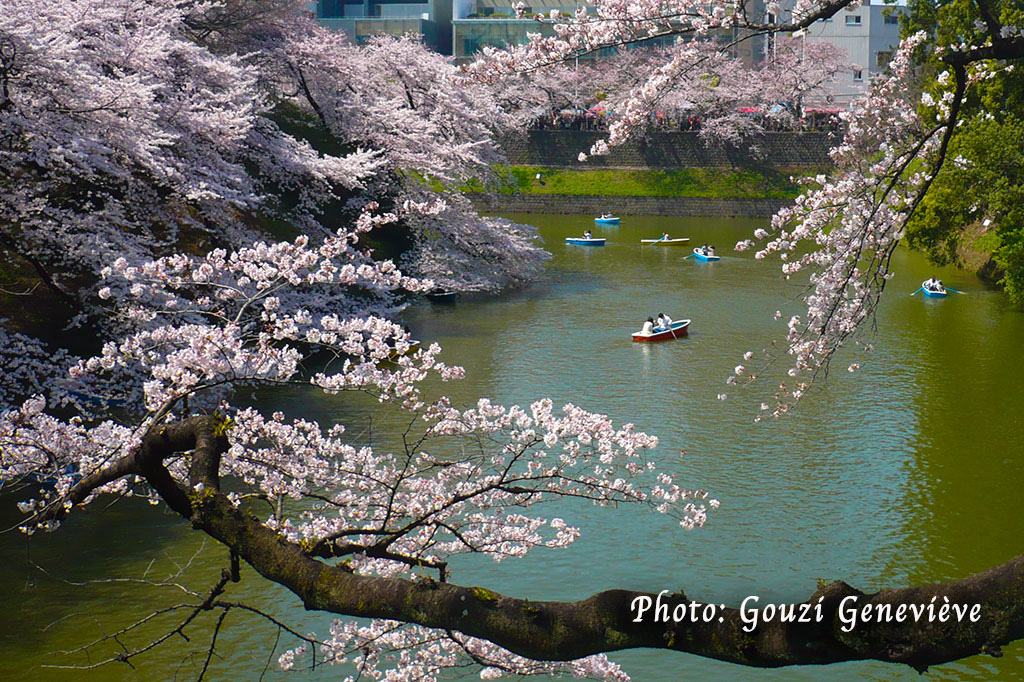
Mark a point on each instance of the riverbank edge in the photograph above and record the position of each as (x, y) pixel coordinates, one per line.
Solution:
(491, 202)
(709, 183)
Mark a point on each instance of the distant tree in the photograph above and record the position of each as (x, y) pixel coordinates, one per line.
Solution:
(975, 204)
(714, 90)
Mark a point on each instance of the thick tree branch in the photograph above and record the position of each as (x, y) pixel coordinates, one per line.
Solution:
(605, 621)
(991, 21)
(196, 433)
(1007, 48)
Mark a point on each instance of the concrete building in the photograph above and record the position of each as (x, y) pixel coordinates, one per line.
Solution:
(430, 18)
(492, 23)
(477, 24)
(869, 34)
(461, 28)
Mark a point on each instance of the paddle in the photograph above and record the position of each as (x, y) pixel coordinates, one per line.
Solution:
(918, 289)
(955, 291)
(692, 255)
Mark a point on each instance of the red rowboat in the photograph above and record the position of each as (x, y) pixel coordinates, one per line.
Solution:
(679, 328)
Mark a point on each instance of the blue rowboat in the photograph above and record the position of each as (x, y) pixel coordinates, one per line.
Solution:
(936, 293)
(607, 221)
(701, 256)
(580, 241)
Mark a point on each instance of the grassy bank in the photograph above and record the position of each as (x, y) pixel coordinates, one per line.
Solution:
(712, 183)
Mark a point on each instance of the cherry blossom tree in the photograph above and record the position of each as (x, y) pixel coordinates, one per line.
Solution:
(128, 130)
(715, 90)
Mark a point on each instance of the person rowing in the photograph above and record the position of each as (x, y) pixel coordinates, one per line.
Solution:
(588, 235)
(664, 321)
(664, 236)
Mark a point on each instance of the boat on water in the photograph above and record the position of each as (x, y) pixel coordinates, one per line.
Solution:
(607, 220)
(678, 328)
(936, 290)
(413, 347)
(682, 241)
(584, 241)
(442, 296)
(705, 256)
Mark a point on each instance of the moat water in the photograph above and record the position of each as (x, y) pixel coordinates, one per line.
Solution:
(906, 472)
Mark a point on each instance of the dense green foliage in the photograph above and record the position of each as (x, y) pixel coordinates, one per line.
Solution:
(975, 204)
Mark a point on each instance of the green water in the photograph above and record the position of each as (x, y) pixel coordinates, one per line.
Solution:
(902, 473)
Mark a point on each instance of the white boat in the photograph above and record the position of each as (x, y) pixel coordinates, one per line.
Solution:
(665, 242)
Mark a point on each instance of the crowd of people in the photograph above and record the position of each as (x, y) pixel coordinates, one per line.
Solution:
(581, 120)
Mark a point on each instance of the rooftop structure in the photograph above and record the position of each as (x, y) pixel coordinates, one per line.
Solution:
(430, 18)
(477, 24)
(492, 23)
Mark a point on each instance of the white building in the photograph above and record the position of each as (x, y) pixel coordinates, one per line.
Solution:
(869, 33)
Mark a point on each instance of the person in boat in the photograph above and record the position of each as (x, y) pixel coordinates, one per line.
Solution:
(588, 235)
(648, 327)
(932, 284)
(664, 236)
(711, 250)
(704, 249)
(664, 321)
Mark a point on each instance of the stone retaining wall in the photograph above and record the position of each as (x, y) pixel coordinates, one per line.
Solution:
(560, 149)
(625, 205)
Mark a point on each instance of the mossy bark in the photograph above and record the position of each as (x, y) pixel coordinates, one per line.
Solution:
(604, 622)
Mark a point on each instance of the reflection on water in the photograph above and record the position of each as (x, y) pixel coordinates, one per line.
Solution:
(904, 472)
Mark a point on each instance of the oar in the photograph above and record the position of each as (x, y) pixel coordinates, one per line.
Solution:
(918, 289)
(955, 291)
(692, 255)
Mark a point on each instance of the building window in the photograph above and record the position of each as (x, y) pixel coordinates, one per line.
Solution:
(882, 59)
(892, 19)
(853, 20)
(858, 75)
